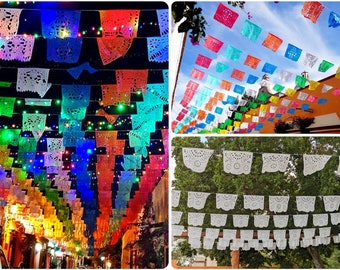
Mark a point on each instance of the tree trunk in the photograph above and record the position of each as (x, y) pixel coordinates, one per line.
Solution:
(314, 252)
(235, 259)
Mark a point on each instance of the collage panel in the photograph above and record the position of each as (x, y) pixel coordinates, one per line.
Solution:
(84, 134)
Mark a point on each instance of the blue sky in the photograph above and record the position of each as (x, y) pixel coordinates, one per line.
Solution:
(283, 19)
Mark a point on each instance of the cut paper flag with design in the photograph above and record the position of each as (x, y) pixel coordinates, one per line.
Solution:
(175, 197)
(225, 15)
(312, 10)
(195, 219)
(18, 47)
(237, 162)
(310, 60)
(111, 49)
(252, 61)
(176, 217)
(33, 80)
(272, 42)
(60, 23)
(253, 202)
(261, 221)
(233, 53)
(197, 200)
(158, 49)
(333, 20)
(331, 203)
(132, 80)
(218, 220)
(325, 65)
(274, 162)
(251, 30)
(163, 21)
(305, 203)
(203, 61)
(293, 53)
(7, 106)
(280, 221)
(278, 203)
(225, 201)
(213, 44)
(119, 23)
(240, 221)
(9, 21)
(314, 163)
(111, 95)
(75, 99)
(66, 50)
(34, 123)
(196, 159)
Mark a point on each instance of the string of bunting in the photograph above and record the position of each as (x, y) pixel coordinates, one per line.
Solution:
(240, 162)
(64, 43)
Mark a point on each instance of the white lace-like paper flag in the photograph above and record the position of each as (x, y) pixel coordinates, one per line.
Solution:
(300, 220)
(196, 159)
(211, 233)
(263, 234)
(222, 243)
(33, 80)
(278, 203)
(308, 233)
(208, 243)
(194, 232)
(246, 234)
(335, 218)
(176, 217)
(218, 220)
(331, 203)
(305, 203)
(237, 162)
(225, 201)
(177, 230)
(195, 242)
(175, 196)
(229, 234)
(294, 233)
(280, 221)
(314, 163)
(195, 219)
(197, 199)
(274, 162)
(240, 220)
(261, 221)
(253, 202)
(320, 220)
(279, 234)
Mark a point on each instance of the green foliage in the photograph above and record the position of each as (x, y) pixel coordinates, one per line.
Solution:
(292, 182)
(182, 253)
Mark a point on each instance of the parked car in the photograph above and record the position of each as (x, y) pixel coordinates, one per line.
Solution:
(3, 260)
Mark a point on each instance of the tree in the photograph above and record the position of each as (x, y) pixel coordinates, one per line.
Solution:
(194, 23)
(292, 182)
